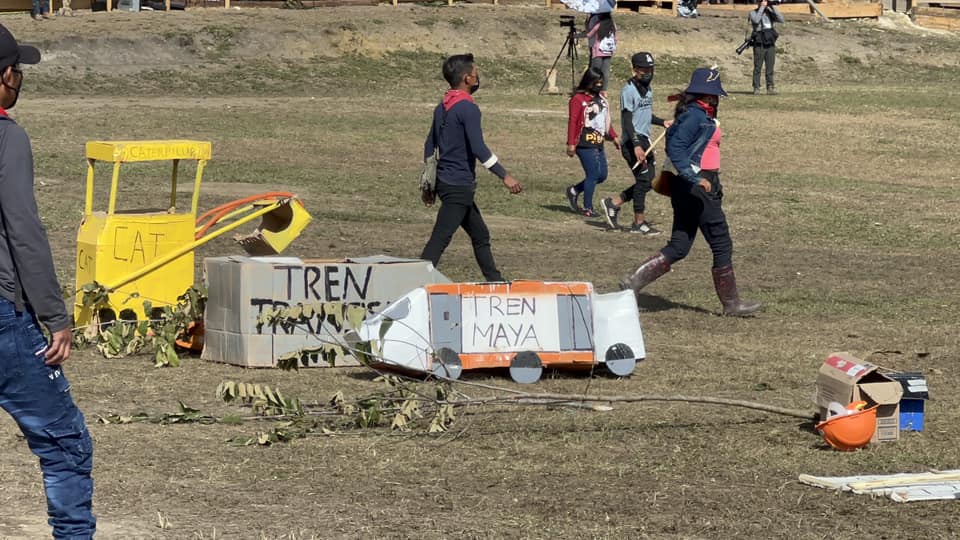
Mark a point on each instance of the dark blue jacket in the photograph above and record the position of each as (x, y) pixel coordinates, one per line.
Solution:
(461, 144)
(687, 138)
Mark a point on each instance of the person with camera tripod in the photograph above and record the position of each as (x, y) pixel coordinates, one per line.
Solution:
(601, 35)
(764, 40)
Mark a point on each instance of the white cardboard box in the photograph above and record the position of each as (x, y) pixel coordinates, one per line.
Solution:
(241, 288)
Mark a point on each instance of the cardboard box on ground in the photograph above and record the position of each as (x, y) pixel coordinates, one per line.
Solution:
(844, 378)
(915, 393)
(240, 289)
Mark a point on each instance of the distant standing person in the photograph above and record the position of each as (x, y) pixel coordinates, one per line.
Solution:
(41, 10)
(693, 149)
(764, 43)
(636, 117)
(602, 41)
(588, 125)
(457, 132)
(33, 386)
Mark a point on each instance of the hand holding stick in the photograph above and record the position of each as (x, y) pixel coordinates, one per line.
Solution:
(650, 149)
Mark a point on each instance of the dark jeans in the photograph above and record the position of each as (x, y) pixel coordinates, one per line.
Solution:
(594, 163)
(40, 7)
(643, 176)
(694, 208)
(764, 55)
(458, 209)
(37, 396)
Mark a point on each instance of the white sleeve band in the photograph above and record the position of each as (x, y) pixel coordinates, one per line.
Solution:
(490, 162)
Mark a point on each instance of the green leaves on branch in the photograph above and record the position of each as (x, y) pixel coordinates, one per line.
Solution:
(260, 397)
(158, 334)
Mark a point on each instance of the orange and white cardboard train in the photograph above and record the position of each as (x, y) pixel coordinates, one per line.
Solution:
(522, 325)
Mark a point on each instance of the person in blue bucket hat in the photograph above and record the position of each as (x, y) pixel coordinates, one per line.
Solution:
(692, 172)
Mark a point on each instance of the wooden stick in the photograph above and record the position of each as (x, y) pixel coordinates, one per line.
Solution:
(647, 153)
(817, 10)
(567, 398)
(924, 478)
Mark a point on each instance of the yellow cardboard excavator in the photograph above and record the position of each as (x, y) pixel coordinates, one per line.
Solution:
(147, 254)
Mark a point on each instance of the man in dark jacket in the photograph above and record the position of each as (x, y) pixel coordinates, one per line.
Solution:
(456, 131)
(33, 387)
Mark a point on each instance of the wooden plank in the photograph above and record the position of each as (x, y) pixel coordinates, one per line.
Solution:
(938, 23)
(935, 12)
(852, 11)
(26, 5)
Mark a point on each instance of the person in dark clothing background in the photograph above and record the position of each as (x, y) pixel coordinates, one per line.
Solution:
(457, 132)
(693, 151)
(33, 387)
(764, 43)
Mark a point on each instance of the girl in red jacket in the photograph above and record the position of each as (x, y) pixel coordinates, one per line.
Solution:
(589, 124)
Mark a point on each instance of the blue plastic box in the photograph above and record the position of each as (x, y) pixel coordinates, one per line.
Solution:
(915, 393)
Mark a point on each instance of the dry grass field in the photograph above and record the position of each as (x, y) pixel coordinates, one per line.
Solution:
(841, 194)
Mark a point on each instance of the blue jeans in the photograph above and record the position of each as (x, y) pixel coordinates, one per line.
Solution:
(37, 396)
(594, 162)
(40, 7)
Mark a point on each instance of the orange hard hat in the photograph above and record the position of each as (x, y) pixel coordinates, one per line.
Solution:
(851, 431)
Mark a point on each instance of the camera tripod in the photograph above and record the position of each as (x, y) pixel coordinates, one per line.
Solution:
(570, 47)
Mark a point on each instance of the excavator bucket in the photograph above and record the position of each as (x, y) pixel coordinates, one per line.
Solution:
(277, 229)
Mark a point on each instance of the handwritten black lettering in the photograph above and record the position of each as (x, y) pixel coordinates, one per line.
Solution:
(349, 277)
(308, 284)
(329, 281)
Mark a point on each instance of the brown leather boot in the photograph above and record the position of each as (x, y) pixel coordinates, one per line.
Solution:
(646, 273)
(726, 284)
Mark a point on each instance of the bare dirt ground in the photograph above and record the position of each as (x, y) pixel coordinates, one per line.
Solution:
(840, 197)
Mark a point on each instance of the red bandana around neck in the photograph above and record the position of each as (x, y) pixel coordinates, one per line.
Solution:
(3, 112)
(452, 97)
(711, 110)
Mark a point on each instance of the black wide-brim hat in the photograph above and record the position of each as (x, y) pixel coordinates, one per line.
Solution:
(12, 53)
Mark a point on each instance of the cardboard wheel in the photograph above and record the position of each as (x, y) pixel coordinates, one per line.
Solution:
(447, 364)
(620, 360)
(526, 368)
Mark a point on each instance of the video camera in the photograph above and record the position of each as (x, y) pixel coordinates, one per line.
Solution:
(567, 21)
(747, 43)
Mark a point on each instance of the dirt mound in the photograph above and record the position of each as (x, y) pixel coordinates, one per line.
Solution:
(128, 42)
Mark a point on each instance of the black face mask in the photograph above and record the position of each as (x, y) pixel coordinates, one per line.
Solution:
(16, 90)
(645, 79)
(475, 87)
(597, 89)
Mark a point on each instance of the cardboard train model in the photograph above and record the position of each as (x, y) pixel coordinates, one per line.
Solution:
(525, 326)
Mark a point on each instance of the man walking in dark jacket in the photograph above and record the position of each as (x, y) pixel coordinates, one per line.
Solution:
(33, 387)
(456, 131)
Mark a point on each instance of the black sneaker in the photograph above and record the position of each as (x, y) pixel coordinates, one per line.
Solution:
(572, 200)
(588, 213)
(610, 212)
(645, 229)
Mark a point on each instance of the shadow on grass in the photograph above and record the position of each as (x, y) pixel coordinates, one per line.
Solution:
(557, 208)
(649, 303)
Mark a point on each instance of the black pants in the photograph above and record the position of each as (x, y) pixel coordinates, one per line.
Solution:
(643, 175)
(458, 209)
(696, 209)
(764, 55)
